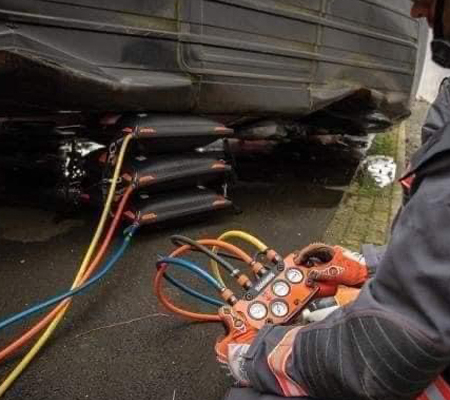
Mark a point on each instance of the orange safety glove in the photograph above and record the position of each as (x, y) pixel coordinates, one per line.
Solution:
(346, 295)
(333, 264)
(231, 349)
(319, 309)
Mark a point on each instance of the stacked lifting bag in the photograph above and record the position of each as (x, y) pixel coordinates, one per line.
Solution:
(171, 179)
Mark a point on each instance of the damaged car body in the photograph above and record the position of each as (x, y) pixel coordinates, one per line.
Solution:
(77, 69)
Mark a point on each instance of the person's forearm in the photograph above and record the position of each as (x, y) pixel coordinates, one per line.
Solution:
(438, 115)
(357, 352)
(394, 340)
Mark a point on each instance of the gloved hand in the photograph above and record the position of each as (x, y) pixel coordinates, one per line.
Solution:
(333, 264)
(231, 349)
(320, 309)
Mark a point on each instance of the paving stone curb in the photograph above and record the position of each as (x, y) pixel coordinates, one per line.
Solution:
(366, 211)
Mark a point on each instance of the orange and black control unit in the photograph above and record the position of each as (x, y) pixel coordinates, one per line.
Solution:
(278, 296)
(283, 287)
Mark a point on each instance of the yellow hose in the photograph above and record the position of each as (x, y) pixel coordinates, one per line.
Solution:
(238, 235)
(87, 258)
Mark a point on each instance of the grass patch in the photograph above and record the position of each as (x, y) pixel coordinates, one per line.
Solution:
(367, 185)
(384, 144)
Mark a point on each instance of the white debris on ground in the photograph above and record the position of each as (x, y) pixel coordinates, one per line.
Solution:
(382, 169)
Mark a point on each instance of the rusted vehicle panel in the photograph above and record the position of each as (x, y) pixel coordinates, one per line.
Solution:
(222, 57)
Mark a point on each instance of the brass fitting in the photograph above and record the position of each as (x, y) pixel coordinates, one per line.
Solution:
(229, 297)
(244, 281)
(258, 268)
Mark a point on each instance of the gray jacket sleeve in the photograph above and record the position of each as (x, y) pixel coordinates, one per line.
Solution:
(373, 256)
(250, 394)
(439, 112)
(394, 340)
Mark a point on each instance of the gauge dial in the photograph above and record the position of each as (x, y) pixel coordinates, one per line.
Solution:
(258, 311)
(294, 275)
(280, 309)
(281, 288)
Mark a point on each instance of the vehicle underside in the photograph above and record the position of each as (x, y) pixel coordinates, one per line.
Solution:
(77, 75)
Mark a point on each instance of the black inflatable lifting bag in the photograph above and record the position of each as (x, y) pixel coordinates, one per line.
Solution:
(173, 171)
(149, 210)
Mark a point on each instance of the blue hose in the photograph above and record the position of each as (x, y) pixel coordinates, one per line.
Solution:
(193, 293)
(55, 300)
(196, 270)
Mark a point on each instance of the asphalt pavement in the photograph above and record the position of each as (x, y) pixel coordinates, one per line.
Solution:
(117, 342)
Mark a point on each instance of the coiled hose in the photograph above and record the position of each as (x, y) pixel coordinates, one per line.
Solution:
(158, 283)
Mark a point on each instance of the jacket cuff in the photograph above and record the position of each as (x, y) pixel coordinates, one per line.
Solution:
(373, 256)
(251, 357)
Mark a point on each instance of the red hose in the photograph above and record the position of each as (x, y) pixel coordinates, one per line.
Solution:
(27, 336)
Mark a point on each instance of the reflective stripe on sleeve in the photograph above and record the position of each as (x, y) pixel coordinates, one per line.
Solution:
(277, 362)
(438, 390)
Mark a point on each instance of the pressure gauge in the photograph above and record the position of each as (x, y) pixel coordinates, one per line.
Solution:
(281, 288)
(280, 309)
(294, 275)
(258, 311)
